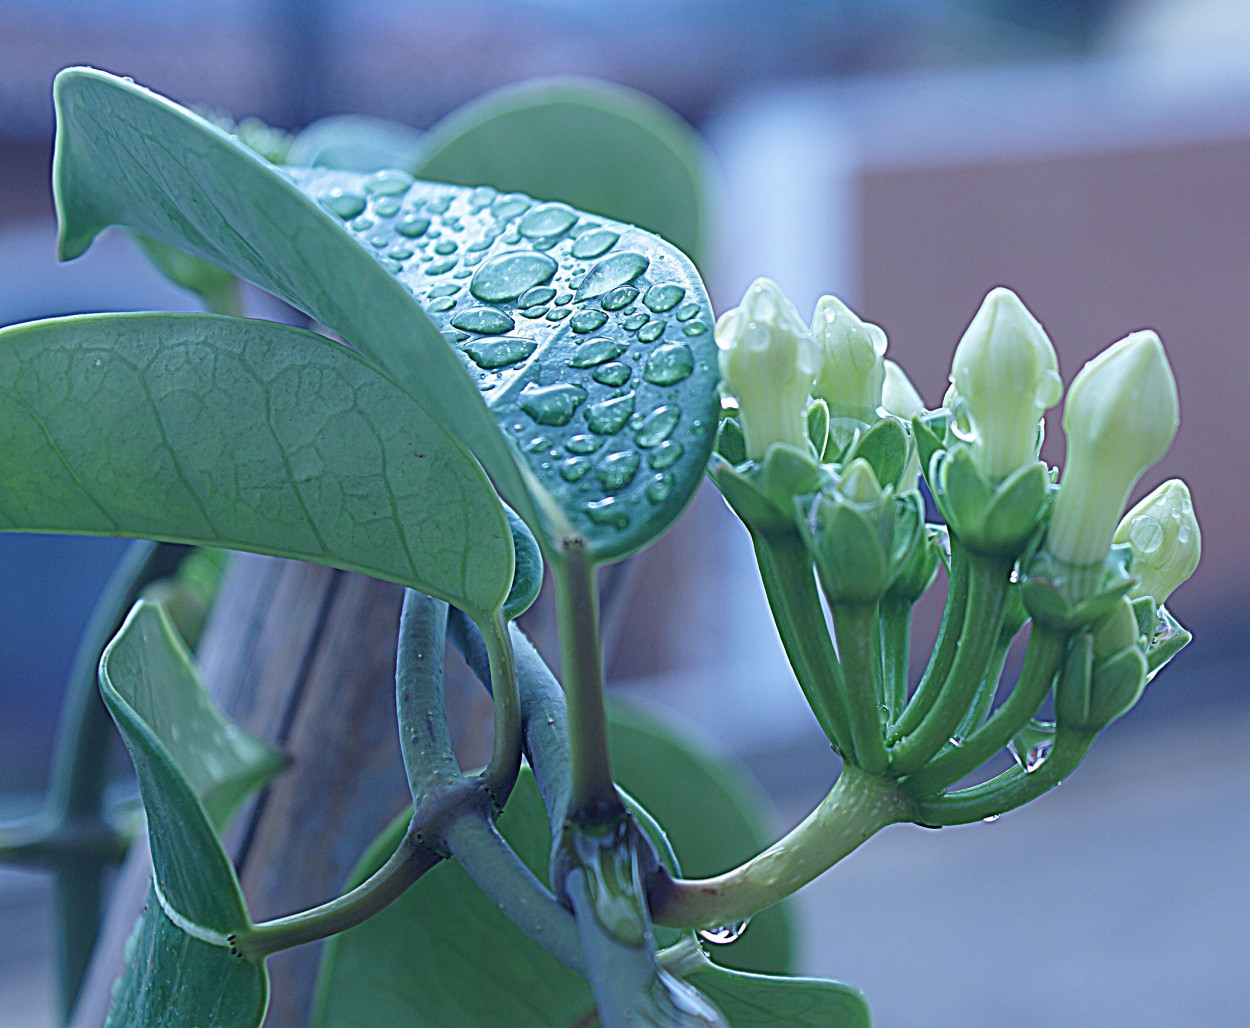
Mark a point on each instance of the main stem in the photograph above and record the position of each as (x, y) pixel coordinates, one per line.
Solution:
(592, 792)
(857, 807)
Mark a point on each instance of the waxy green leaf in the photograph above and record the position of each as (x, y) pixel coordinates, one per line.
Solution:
(597, 146)
(243, 434)
(192, 767)
(604, 400)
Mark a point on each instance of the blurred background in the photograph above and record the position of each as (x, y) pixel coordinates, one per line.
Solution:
(908, 155)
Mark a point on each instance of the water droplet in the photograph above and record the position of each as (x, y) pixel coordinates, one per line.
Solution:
(446, 289)
(534, 312)
(548, 219)
(553, 404)
(617, 470)
(394, 267)
(538, 444)
(594, 352)
(651, 331)
(508, 207)
(387, 207)
(1032, 744)
(361, 224)
(445, 247)
(695, 328)
(955, 741)
(594, 244)
(536, 297)
(574, 469)
(509, 275)
(723, 935)
(388, 183)
(583, 443)
(441, 266)
(991, 819)
(659, 487)
(1145, 533)
(587, 321)
(481, 197)
(619, 298)
(558, 314)
(346, 205)
(442, 303)
(613, 374)
(499, 353)
(669, 364)
(440, 204)
(687, 311)
(411, 226)
(564, 299)
(658, 426)
(665, 455)
(485, 321)
(607, 417)
(663, 298)
(608, 512)
(400, 253)
(612, 272)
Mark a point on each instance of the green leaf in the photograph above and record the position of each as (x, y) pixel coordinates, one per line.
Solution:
(762, 1001)
(181, 965)
(443, 954)
(355, 142)
(244, 434)
(597, 146)
(716, 820)
(126, 156)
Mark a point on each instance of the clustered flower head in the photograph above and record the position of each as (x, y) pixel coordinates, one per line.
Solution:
(1120, 416)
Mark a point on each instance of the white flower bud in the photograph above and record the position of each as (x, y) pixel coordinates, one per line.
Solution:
(768, 363)
(898, 395)
(1163, 534)
(1120, 418)
(852, 370)
(1007, 375)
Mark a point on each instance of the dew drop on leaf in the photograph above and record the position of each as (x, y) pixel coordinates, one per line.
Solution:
(509, 275)
(612, 272)
(669, 364)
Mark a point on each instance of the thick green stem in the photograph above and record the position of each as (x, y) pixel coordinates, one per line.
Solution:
(505, 758)
(1013, 788)
(790, 584)
(857, 807)
(859, 649)
(592, 792)
(409, 862)
(944, 647)
(895, 634)
(1042, 661)
(975, 647)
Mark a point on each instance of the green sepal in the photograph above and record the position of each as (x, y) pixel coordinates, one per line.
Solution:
(1116, 684)
(991, 520)
(920, 568)
(859, 550)
(1146, 613)
(930, 434)
(763, 493)
(527, 577)
(886, 447)
(731, 444)
(818, 425)
(1069, 597)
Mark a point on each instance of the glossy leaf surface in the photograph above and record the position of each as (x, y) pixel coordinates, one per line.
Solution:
(762, 1001)
(594, 145)
(243, 434)
(180, 964)
(604, 401)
